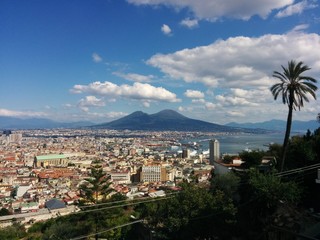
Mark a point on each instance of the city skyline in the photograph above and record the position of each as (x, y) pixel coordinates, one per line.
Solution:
(101, 60)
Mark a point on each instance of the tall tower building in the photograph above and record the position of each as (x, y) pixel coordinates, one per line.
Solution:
(186, 153)
(214, 147)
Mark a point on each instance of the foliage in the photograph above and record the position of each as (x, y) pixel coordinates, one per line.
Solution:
(300, 152)
(193, 206)
(98, 184)
(252, 158)
(294, 88)
(62, 230)
(304, 150)
(93, 219)
(227, 183)
(4, 212)
(275, 150)
(268, 190)
(228, 158)
(16, 231)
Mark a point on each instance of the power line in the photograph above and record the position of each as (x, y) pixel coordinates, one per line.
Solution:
(298, 170)
(281, 174)
(123, 205)
(122, 201)
(107, 230)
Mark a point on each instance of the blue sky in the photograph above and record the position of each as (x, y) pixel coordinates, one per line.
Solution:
(99, 60)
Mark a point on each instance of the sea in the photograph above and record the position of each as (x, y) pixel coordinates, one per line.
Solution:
(234, 144)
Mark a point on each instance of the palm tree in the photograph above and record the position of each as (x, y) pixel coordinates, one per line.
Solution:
(294, 88)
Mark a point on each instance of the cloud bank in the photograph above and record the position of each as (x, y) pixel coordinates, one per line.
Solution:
(214, 9)
(21, 114)
(139, 91)
(239, 61)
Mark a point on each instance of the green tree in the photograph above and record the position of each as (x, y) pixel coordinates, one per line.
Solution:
(275, 150)
(294, 88)
(4, 212)
(252, 158)
(228, 159)
(268, 189)
(16, 231)
(263, 197)
(227, 183)
(96, 185)
(301, 152)
(194, 213)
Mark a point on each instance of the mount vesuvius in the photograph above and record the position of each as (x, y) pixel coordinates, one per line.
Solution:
(166, 120)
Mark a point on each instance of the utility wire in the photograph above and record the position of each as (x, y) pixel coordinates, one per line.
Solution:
(298, 170)
(122, 201)
(107, 230)
(149, 199)
(281, 174)
(122, 205)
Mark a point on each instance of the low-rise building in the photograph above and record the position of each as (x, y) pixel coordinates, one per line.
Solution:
(51, 160)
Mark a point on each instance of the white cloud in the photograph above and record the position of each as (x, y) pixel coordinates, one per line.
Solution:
(146, 104)
(185, 109)
(194, 94)
(189, 23)
(139, 91)
(98, 117)
(215, 9)
(201, 100)
(239, 61)
(114, 115)
(235, 114)
(238, 74)
(210, 106)
(181, 109)
(297, 8)
(90, 101)
(96, 57)
(234, 101)
(299, 28)
(166, 29)
(135, 77)
(67, 105)
(21, 114)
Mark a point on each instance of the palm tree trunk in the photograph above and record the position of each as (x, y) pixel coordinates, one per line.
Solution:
(287, 135)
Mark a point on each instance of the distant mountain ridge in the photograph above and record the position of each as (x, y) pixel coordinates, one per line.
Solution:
(279, 125)
(38, 123)
(166, 120)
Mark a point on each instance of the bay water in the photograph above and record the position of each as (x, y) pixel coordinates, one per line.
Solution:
(233, 144)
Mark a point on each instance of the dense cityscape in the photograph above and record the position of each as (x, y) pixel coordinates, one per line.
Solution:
(41, 165)
(43, 171)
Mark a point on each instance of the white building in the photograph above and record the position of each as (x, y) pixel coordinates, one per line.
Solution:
(152, 173)
(120, 177)
(214, 147)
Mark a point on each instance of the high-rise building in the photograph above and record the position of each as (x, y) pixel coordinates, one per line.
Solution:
(186, 153)
(214, 147)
